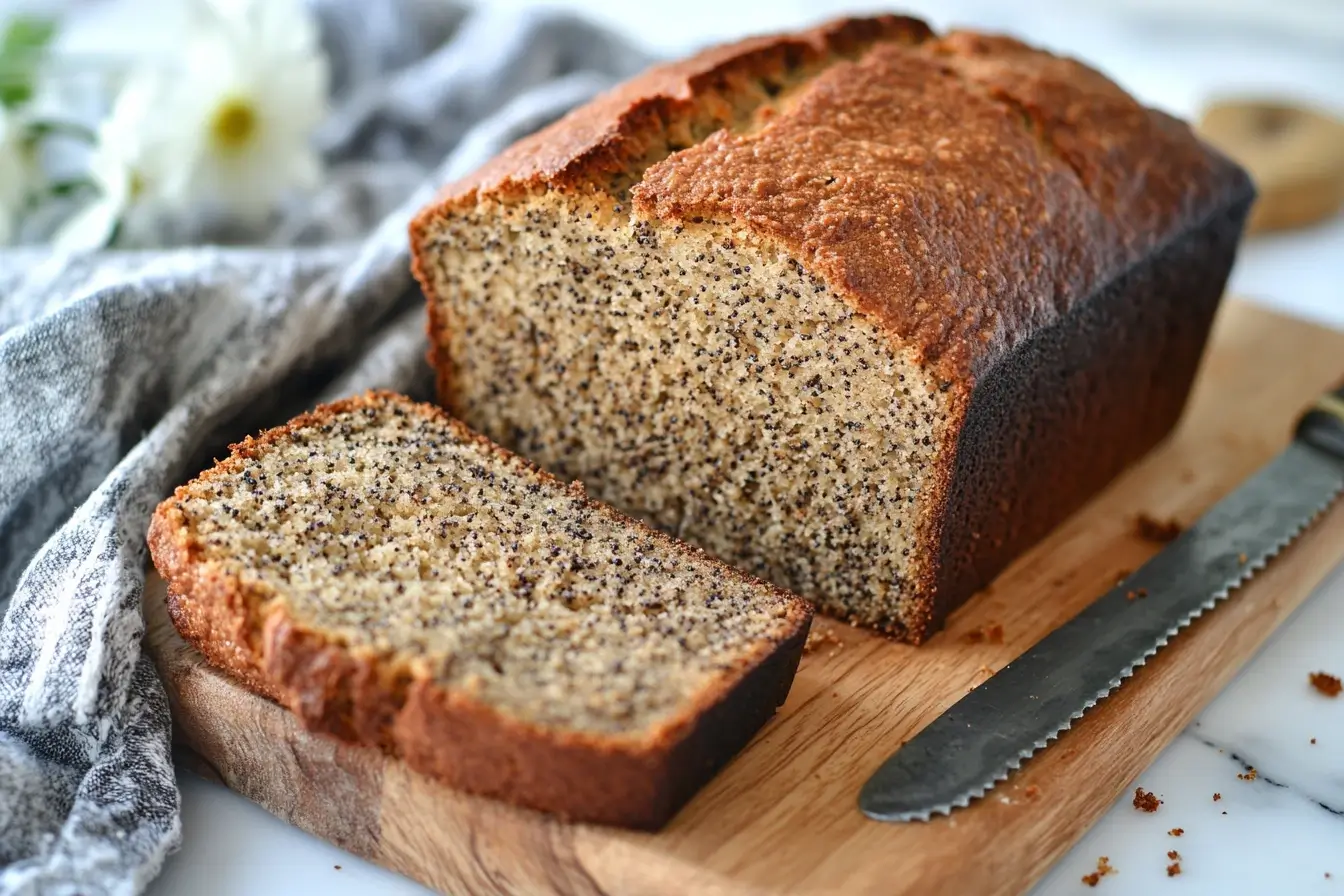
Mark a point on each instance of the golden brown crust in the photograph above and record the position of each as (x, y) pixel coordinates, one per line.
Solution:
(210, 611)
(365, 698)
(963, 191)
(612, 133)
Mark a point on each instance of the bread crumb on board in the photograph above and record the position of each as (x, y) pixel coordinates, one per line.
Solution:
(1032, 793)
(990, 633)
(1176, 832)
(1146, 800)
(1103, 868)
(816, 639)
(1150, 528)
(1327, 684)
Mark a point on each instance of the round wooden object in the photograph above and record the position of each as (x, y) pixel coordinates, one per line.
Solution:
(1294, 154)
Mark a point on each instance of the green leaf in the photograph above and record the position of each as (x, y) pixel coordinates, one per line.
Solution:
(22, 47)
(71, 186)
(48, 127)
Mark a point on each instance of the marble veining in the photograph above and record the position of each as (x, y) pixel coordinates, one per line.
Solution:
(1280, 832)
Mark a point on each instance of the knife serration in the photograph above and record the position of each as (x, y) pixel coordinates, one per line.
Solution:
(989, 733)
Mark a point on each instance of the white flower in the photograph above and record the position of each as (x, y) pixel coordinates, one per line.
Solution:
(129, 153)
(13, 175)
(239, 115)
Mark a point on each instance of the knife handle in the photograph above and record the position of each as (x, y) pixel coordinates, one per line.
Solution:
(1322, 426)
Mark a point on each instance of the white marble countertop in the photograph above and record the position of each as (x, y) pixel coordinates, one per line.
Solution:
(1280, 833)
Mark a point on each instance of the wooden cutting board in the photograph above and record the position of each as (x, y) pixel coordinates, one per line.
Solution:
(782, 817)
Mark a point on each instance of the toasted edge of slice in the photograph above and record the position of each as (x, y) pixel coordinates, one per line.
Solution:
(636, 780)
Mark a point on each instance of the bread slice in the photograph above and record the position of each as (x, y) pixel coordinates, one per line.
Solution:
(864, 310)
(398, 580)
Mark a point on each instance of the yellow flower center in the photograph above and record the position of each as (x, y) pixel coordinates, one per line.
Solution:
(233, 124)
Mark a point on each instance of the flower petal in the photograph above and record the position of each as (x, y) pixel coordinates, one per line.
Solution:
(90, 228)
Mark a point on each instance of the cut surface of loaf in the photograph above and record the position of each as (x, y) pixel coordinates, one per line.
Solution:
(864, 310)
(399, 581)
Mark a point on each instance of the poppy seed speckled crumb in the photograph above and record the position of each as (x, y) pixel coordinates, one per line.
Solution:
(399, 581)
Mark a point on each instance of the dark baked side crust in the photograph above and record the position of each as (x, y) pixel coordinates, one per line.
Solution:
(364, 698)
(1051, 423)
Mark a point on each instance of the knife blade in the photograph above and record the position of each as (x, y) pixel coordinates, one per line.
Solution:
(991, 731)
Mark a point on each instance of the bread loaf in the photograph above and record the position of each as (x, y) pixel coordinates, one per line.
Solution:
(865, 310)
(399, 581)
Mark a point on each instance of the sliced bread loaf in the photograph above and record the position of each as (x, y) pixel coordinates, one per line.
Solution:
(865, 310)
(398, 580)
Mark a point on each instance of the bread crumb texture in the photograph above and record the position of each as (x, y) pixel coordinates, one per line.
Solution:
(402, 536)
(719, 390)
(1146, 800)
(1103, 868)
(1156, 530)
(1326, 684)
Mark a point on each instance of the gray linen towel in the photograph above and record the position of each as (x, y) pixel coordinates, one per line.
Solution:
(121, 373)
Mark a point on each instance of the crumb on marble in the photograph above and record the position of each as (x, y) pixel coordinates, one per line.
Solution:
(1327, 684)
(1249, 775)
(1176, 832)
(1217, 797)
(1173, 869)
(1173, 855)
(1150, 528)
(1136, 593)
(1146, 800)
(1313, 741)
(1103, 868)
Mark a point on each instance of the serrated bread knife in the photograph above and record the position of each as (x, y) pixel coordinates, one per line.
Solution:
(988, 733)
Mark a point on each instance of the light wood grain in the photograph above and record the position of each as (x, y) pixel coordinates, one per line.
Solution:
(782, 817)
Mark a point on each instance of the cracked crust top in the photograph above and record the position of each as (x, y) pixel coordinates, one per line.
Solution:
(963, 191)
